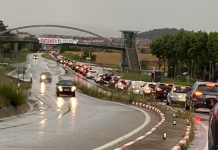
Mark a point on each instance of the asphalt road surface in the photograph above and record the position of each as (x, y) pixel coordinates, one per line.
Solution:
(67, 123)
(201, 119)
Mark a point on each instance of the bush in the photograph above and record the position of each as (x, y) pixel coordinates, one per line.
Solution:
(9, 93)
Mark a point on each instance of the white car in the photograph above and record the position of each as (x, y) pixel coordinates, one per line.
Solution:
(91, 74)
(122, 84)
(149, 87)
(136, 87)
(98, 77)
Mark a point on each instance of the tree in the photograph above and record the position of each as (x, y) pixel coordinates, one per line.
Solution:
(87, 53)
(195, 50)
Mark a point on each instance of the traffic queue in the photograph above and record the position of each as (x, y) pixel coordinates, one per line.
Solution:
(200, 95)
(106, 77)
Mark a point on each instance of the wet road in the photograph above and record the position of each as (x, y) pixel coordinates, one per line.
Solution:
(201, 119)
(80, 123)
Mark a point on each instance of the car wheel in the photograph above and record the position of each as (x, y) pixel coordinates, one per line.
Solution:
(210, 145)
(187, 107)
(74, 94)
(168, 101)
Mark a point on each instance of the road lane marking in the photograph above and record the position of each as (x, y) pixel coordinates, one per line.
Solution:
(145, 123)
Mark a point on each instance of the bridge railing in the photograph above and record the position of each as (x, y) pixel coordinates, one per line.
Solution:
(102, 43)
(16, 38)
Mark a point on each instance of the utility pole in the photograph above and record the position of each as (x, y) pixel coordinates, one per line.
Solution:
(210, 70)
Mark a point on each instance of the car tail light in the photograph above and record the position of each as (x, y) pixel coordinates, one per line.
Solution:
(211, 84)
(198, 94)
(158, 89)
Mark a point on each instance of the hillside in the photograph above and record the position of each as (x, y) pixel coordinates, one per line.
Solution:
(157, 33)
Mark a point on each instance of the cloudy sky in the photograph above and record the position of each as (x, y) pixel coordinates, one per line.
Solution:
(108, 17)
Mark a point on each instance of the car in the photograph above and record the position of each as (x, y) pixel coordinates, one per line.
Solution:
(105, 79)
(45, 77)
(178, 94)
(35, 56)
(136, 86)
(66, 87)
(202, 95)
(161, 90)
(98, 77)
(149, 88)
(212, 129)
(122, 84)
(113, 81)
(91, 74)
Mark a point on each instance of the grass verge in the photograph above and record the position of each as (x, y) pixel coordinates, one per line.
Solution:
(47, 56)
(146, 78)
(9, 93)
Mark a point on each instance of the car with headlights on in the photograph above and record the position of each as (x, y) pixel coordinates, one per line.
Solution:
(45, 77)
(35, 56)
(178, 94)
(203, 95)
(213, 129)
(65, 87)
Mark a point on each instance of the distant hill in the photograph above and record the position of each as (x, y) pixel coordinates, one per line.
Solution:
(157, 33)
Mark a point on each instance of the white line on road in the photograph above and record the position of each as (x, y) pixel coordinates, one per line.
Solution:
(147, 120)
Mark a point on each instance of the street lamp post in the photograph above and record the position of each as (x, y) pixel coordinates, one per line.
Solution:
(210, 70)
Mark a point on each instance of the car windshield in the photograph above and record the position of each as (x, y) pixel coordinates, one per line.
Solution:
(181, 89)
(66, 82)
(46, 73)
(208, 88)
(151, 86)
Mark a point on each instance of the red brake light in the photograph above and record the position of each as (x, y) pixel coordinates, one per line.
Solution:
(197, 93)
(158, 89)
(211, 84)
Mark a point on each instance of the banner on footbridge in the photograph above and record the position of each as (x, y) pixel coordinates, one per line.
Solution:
(54, 41)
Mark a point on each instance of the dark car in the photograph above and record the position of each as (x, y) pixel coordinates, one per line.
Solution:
(202, 95)
(45, 77)
(66, 87)
(105, 79)
(162, 90)
(113, 81)
(213, 129)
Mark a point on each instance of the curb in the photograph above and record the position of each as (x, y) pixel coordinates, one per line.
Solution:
(150, 131)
